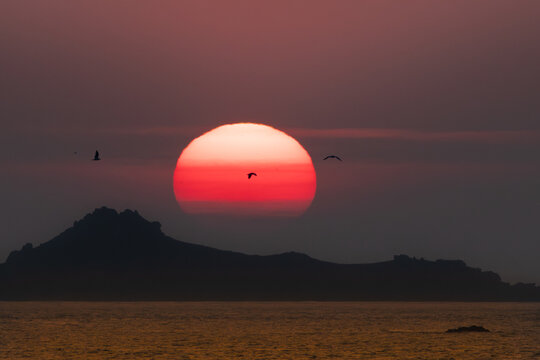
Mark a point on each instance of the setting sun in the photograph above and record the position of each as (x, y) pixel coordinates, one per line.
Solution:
(211, 174)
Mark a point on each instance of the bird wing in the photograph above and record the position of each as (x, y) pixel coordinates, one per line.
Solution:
(337, 157)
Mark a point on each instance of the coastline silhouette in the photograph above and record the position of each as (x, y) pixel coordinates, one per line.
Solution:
(109, 255)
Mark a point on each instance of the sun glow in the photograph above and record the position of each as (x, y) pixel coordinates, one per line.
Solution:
(211, 173)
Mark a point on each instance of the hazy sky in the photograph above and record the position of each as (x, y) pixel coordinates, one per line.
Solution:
(433, 105)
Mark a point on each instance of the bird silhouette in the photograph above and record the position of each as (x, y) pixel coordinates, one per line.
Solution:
(332, 157)
(96, 156)
(251, 174)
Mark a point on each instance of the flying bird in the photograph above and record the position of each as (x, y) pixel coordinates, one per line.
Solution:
(251, 174)
(96, 156)
(332, 157)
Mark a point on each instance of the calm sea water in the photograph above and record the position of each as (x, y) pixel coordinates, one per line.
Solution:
(267, 330)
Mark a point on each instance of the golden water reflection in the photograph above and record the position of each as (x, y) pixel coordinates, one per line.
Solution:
(267, 330)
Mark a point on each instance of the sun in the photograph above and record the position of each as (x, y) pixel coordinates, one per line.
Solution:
(212, 175)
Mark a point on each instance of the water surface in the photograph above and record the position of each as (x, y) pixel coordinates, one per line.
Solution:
(267, 330)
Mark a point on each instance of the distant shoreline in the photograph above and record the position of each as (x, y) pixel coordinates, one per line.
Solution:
(112, 256)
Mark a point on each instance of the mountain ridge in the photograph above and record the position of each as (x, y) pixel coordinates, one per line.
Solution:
(110, 255)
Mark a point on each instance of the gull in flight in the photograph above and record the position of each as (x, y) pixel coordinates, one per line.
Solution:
(251, 174)
(332, 157)
(96, 156)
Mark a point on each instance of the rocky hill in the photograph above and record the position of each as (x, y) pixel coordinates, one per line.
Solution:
(121, 256)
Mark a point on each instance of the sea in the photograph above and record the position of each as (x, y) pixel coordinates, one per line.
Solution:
(267, 330)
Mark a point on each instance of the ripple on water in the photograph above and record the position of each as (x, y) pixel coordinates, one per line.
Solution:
(267, 330)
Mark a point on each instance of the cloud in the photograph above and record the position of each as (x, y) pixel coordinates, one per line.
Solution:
(494, 137)
(481, 136)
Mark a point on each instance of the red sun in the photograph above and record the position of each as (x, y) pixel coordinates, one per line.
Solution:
(211, 175)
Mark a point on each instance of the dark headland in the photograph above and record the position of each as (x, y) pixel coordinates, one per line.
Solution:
(121, 256)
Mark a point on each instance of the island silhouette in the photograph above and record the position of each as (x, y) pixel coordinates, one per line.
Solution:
(110, 255)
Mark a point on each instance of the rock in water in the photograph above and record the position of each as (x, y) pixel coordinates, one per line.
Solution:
(472, 328)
